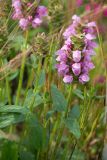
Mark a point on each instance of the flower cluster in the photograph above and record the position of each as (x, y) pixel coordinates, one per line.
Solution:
(25, 18)
(74, 58)
(79, 3)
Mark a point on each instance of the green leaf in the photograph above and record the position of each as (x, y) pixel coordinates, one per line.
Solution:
(7, 120)
(30, 96)
(72, 121)
(73, 126)
(18, 42)
(42, 78)
(59, 101)
(2, 104)
(36, 134)
(78, 93)
(13, 75)
(14, 109)
(100, 97)
(49, 114)
(9, 151)
(25, 155)
(77, 154)
(33, 59)
(75, 112)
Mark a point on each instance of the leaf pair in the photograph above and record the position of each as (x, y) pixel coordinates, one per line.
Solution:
(11, 114)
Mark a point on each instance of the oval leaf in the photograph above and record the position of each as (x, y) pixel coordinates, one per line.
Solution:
(58, 99)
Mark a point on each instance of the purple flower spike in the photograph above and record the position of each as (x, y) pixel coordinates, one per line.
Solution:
(76, 56)
(34, 19)
(68, 79)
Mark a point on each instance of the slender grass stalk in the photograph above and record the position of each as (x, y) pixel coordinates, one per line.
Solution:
(8, 91)
(53, 133)
(70, 157)
(103, 61)
(92, 128)
(68, 101)
(66, 148)
(8, 88)
(21, 72)
(29, 82)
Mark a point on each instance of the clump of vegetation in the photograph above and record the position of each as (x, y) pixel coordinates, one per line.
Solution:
(52, 104)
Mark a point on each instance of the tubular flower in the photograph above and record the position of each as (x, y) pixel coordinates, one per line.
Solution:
(74, 59)
(26, 19)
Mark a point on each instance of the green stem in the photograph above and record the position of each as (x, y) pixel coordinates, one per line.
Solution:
(21, 72)
(69, 100)
(20, 79)
(66, 148)
(57, 142)
(30, 80)
(54, 131)
(8, 91)
(72, 151)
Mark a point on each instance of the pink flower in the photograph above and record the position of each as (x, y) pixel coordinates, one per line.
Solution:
(76, 19)
(42, 11)
(17, 15)
(68, 42)
(79, 2)
(91, 24)
(62, 56)
(90, 36)
(68, 79)
(36, 22)
(84, 78)
(69, 31)
(76, 56)
(100, 79)
(88, 7)
(105, 12)
(76, 68)
(30, 18)
(16, 4)
(62, 68)
(23, 23)
(66, 48)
